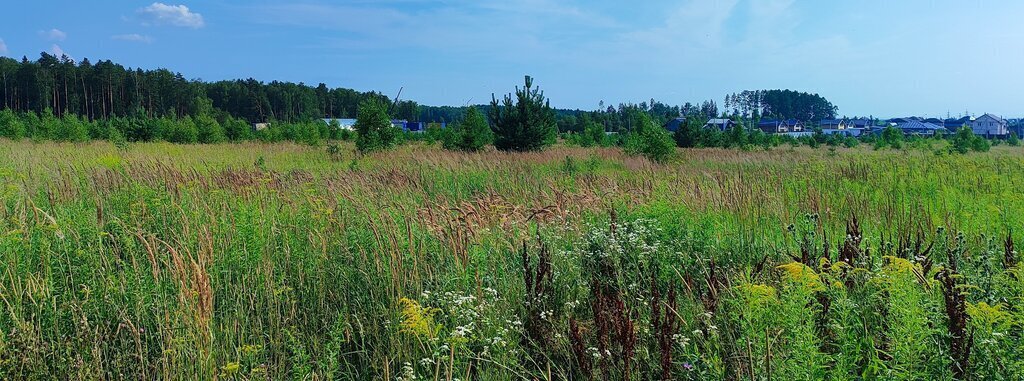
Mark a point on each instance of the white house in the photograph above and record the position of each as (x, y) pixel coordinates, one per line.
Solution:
(344, 124)
(990, 125)
(720, 124)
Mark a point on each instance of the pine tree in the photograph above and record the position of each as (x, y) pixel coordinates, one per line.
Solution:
(526, 125)
(471, 134)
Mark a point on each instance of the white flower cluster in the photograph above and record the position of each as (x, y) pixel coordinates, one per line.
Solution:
(408, 373)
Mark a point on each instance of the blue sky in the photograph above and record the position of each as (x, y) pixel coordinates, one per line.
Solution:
(869, 57)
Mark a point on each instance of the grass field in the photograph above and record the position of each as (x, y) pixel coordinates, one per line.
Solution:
(249, 261)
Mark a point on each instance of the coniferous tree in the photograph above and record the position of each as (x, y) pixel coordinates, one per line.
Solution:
(471, 134)
(528, 124)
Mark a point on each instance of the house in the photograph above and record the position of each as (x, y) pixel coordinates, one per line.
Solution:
(674, 124)
(720, 124)
(260, 126)
(794, 125)
(898, 121)
(344, 123)
(773, 126)
(989, 125)
(920, 128)
(422, 126)
(954, 124)
(860, 123)
(833, 124)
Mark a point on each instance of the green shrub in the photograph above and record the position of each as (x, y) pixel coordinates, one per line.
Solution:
(965, 141)
(10, 126)
(650, 140)
(374, 129)
(179, 130)
(208, 129)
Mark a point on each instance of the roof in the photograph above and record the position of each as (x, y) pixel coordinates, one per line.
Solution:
(830, 122)
(996, 118)
(719, 121)
(916, 125)
(861, 122)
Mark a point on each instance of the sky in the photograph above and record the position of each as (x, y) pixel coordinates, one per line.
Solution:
(879, 58)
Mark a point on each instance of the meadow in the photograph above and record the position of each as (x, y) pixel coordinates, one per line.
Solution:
(283, 261)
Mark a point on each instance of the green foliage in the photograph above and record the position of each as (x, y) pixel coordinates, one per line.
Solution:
(373, 127)
(434, 133)
(689, 134)
(178, 130)
(1012, 140)
(11, 127)
(208, 129)
(471, 134)
(527, 124)
(650, 140)
(67, 129)
(965, 141)
(891, 137)
(237, 130)
(590, 133)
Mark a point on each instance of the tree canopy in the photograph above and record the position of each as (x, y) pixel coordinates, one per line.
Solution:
(780, 104)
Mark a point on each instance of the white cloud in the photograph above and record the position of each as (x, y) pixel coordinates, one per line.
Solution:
(58, 52)
(53, 34)
(175, 15)
(133, 37)
(3, 47)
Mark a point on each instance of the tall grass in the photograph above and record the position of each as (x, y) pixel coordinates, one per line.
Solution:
(255, 261)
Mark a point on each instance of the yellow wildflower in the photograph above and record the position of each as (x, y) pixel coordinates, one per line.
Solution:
(898, 265)
(756, 293)
(230, 368)
(800, 274)
(987, 315)
(416, 319)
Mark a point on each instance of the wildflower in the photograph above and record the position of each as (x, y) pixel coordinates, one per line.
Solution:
(230, 368)
(408, 372)
(800, 274)
(417, 320)
(757, 293)
(687, 366)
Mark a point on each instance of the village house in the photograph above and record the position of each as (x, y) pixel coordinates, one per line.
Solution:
(720, 124)
(772, 126)
(954, 124)
(860, 123)
(920, 128)
(833, 124)
(991, 126)
(674, 124)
